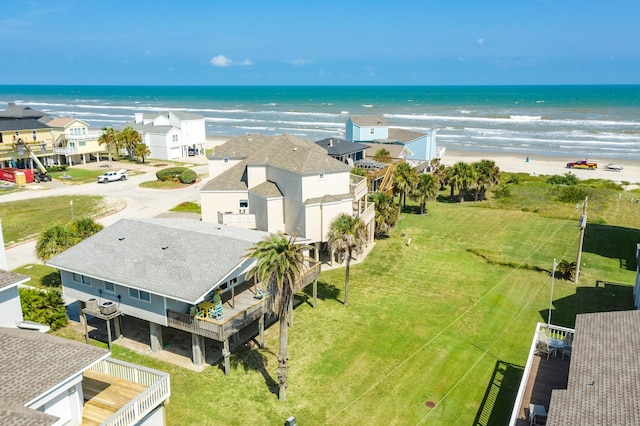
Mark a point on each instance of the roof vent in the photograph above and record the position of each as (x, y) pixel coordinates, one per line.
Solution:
(165, 247)
(121, 238)
(295, 149)
(331, 142)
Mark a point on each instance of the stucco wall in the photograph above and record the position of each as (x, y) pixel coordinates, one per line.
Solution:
(10, 309)
(213, 202)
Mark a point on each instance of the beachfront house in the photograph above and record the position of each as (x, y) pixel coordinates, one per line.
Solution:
(48, 380)
(342, 150)
(589, 375)
(10, 308)
(171, 135)
(74, 142)
(190, 276)
(421, 147)
(23, 131)
(282, 183)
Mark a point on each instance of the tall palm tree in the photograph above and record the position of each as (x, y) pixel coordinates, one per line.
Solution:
(279, 263)
(142, 151)
(461, 177)
(566, 269)
(347, 234)
(487, 173)
(404, 178)
(386, 213)
(426, 189)
(54, 240)
(109, 137)
(130, 138)
(84, 228)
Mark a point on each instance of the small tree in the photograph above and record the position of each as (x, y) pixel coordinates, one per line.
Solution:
(43, 306)
(566, 269)
(130, 138)
(426, 189)
(53, 241)
(142, 151)
(347, 234)
(386, 213)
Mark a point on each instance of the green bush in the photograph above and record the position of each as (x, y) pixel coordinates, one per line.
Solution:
(502, 192)
(568, 179)
(43, 306)
(181, 174)
(573, 194)
(53, 169)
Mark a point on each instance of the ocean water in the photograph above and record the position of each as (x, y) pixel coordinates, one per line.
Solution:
(572, 121)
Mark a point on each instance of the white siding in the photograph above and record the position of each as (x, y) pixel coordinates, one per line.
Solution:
(331, 183)
(10, 309)
(213, 202)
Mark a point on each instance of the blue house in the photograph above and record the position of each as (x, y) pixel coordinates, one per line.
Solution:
(375, 129)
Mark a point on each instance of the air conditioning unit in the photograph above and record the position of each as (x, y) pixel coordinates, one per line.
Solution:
(108, 308)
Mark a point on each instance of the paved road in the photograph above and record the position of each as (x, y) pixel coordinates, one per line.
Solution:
(140, 203)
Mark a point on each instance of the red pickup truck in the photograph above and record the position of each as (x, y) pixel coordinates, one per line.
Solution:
(582, 164)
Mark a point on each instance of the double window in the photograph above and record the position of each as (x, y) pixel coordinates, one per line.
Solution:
(134, 293)
(81, 279)
(109, 287)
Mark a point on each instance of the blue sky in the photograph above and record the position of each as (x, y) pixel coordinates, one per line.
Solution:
(414, 42)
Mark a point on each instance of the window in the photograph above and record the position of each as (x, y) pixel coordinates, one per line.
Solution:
(86, 280)
(243, 204)
(76, 277)
(109, 287)
(321, 176)
(139, 294)
(372, 131)
(225, 160)
(174, 138)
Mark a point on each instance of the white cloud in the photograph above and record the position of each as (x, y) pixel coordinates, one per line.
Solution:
(299, 61)
(480, 42)
(223, 61)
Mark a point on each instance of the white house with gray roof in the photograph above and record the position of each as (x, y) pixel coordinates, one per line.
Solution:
(282, 184)
(10, 308)
(167, 272)
(171, 135)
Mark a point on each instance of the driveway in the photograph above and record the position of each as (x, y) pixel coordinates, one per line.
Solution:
(139, 202)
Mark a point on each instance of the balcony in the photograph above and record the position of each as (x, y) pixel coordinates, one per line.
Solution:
(240, 220)
(542, 374)
(358, 187)
(241, 308)
(89, 136)
(117, 393)
(65, 150)
(368, 213)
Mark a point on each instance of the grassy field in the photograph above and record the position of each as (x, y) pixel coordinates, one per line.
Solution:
(446, 320)
(24, 220)
(77, 175)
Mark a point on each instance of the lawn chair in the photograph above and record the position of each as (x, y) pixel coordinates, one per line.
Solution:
(543, 348)
(216, 312)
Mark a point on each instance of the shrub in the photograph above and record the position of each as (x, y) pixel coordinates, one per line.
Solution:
(573, 194)
(568, 179)
(61, 168)
(181, 174)
(44, 307)
(502, 192)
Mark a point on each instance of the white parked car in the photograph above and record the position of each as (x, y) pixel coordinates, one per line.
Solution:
(112, 176)
(614, 167)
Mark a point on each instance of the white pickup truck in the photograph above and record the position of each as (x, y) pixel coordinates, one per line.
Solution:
(112, 176)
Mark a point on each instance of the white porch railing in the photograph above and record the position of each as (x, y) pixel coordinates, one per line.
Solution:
(240, 220)
(89, 136)
(156, 382)
(358, 186)
(550, 330)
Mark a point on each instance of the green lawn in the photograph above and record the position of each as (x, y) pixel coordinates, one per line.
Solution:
(429, 322)
(24, 220)
(77, 175)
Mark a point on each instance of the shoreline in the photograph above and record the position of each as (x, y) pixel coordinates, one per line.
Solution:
(516, 163)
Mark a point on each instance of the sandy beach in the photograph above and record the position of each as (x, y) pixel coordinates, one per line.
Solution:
(539, 165)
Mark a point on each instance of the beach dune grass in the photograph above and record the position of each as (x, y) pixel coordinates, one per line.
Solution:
(434, 333)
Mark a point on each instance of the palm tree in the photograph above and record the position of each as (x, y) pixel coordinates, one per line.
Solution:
(461, 177)
(566, 269)
(54, 240)
(386, 215)
(84, 228)
(279, 263)
(426, 189)
(142, 151)
(487, 173)
(404, 178)
(382, 153)
(347, 234)
(130, 138)
(109, 137)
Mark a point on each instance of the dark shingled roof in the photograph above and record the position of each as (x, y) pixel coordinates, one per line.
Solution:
(178, 258)
(9, 279)
(21, 111)
(604, 375)
(26, 370)
(337, 147)
(21, 124)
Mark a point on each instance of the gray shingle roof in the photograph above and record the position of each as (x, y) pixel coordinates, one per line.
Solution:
(604, 375)
(267, 189)
(178, 258)
(26, 369)
(233, 179)
(335, 146)
(9, 279)
(369, 120)
(403, 135)
(20, 111)
(21, 124)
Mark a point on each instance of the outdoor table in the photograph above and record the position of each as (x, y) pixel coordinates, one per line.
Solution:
(205, 306)
(557, 343)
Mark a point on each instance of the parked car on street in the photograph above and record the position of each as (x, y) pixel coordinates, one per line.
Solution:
(112, 176)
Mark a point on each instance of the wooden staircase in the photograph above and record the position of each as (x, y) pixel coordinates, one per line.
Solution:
(387, 181)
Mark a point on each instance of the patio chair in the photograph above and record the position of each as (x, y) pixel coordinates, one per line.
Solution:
(216, 312)
(543, 348)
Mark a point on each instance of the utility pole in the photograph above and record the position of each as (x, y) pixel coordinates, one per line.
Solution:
(553, 276)
(583, 224)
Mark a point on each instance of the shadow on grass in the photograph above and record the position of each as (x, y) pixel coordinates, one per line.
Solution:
(614, 242)
(51, 280)
(500, 395)
(252, 358)
(604, 297)
(325, 292)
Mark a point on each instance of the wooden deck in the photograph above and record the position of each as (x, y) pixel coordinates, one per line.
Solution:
(545, 376)
(104, 395)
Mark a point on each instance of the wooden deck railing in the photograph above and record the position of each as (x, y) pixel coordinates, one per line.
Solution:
(156, 382)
